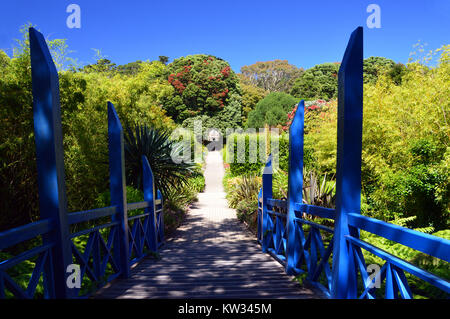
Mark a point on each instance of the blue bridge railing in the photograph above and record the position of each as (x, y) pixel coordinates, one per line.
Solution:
(102, 252)
(332, 258)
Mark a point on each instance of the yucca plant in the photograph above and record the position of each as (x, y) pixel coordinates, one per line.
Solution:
(158, 147)
(322, 194)
(245, 189)
(177, 198)
(280, 184)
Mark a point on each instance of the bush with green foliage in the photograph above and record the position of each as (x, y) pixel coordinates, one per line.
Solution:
(318, 82)
(197, 182)
(242, 194)
(374, 67)
(255, 145)
(229, 117)
(178, 199)
(271, 110)
(251, 95)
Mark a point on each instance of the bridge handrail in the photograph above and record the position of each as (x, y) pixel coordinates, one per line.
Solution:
(431, 245)
(137, 205)
(87, 215)
(11, 237)
(279, 203)
(318, 211)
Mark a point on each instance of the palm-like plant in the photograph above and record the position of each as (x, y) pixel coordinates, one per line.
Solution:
(315, 194)
(246, 189)
(322, 194)
(158, 147)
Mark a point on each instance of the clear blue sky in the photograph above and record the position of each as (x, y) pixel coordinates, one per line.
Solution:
(242, 32)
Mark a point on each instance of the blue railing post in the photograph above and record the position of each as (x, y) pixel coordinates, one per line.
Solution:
(161, 222)
(118, 189)
(259, 218)
(295, 184)
(348, 167)
(50, 160)
(266, 194)
(149, 196)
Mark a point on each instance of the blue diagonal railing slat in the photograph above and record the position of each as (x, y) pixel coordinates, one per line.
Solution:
(402, 264)
(9, 263)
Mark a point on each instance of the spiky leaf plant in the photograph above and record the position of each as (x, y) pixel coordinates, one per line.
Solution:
(246, 189)
(322, 194)
(158, 147)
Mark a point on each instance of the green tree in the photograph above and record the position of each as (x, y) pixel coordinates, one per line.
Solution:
(163, 59)
(231, 114)
(374, 66)
(272, 76)
(101, 66)
(271, 110)
(203, 85)
(229, 117)
(251, 95)
(397, 72)
(319, 82)
(131, 68)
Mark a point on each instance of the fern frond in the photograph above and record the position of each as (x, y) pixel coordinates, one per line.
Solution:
(427, 230)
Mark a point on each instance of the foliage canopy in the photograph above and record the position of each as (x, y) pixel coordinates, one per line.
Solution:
(271, 110)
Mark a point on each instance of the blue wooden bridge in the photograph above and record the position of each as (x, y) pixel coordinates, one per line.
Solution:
(209, 258)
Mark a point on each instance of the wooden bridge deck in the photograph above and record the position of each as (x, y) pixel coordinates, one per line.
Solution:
(210, 256)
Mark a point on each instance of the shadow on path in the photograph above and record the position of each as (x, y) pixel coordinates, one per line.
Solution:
(210, 256)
